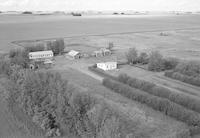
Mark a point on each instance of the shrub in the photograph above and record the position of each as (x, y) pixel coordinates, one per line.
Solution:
(184, 78)
(190, 68)
(5, 67)
(170, 63)
(160, 104)
(143, 58)
(156, 62)
(132, 56)
(19, 57)
(151, 88)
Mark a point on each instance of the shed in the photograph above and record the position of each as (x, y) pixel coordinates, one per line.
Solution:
(107, 65)
(98, 53)
(106, 52)
(74, 54)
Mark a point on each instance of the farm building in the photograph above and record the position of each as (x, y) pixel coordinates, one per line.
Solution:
(107, 65)
(41, 59)
(105, 51)
(74, 54)
(98, 53)
(102, 52)
(41, 55)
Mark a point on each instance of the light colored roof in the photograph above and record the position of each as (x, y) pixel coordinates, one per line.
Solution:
(98, 51)
(41, 52)
(108, 63)
(73, 53)
(48, 62)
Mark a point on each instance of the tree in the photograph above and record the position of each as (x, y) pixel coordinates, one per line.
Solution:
(132, 56)
(56, 46)
(156, 62)
(143, 58)
(110, 46)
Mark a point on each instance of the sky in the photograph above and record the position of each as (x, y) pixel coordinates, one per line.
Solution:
(100, 5)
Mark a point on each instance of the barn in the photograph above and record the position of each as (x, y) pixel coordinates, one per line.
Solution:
(107, 65)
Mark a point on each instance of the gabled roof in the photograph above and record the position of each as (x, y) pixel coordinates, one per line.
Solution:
(73, 53)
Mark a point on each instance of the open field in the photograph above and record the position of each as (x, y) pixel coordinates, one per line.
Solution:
(14, 28)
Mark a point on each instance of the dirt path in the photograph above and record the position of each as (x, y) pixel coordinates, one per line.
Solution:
(89, 73)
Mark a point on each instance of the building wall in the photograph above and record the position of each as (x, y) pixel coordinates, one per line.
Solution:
(107, 66)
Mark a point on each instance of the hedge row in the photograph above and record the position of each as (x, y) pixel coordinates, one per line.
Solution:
(163, 105)
(184, 78)
(151, 88)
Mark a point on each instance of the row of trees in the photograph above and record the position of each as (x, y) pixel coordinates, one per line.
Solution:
(151, 88)
(155, 61)
(160, 104)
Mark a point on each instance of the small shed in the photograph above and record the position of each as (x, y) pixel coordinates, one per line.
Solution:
(107, 66)
(106, 52)
(98, 53)
(74, 54)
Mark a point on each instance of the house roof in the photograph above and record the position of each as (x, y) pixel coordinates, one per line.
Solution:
(107, 63)
(73, 53)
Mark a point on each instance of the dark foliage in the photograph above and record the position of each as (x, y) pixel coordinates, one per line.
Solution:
(160, 104)
(181, 99)
(56, 46)
(156, 62)
(184, 78)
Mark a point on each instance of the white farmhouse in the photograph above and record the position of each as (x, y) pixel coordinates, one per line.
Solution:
(107, 65)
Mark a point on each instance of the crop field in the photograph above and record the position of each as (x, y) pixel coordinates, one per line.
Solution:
(14, 28)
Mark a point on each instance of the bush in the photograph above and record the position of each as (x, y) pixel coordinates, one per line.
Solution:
(170, 63)
(156, 62)
(189, 68)
(143, 58)
(160, 104)
(19, 57)
(151, 88)
(5, 67)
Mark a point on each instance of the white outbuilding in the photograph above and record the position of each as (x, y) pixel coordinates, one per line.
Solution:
(73, 54)
(41, 55)
(107, 65)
